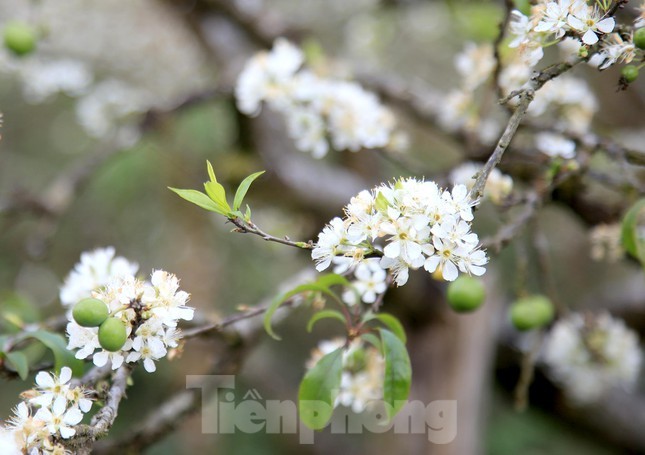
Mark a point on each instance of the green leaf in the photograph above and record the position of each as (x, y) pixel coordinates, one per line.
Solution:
(398, 373)
(316, 395)
(322, 284)
(243, 188)
(18, 361)
(393, 324)
(373, 340)
(58, 345)
(217, 193)
(633, 231)
(211, 172)
(325, 314)
(198, 198)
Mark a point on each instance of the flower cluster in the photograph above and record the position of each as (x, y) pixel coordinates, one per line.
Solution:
(60, 407)
(498, 186)
(362, 377)
(417, 224)
(149, 311)
(321, 113)
(589, 355)
(96, 269)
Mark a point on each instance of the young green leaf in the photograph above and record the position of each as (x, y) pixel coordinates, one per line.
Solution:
(217, 193)
(632, 236)
(322, 284)
(211, 172)
(198, 198)
(325, 314)
(243, 188)
(398, 373)
(58, 345)
(18, 361)
(393, 324)
(373, 340)
(317, 390)
(278, 301)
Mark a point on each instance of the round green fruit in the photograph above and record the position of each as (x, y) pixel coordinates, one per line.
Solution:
(639, 38)
(112, 334)
(90, 312)
(20, 38)
(629, 73)
(532, 312)
(466, 294)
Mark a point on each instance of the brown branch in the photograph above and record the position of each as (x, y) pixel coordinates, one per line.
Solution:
(248, 227)
(104, 418)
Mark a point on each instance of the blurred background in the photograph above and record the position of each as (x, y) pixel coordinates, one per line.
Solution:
(122, 99)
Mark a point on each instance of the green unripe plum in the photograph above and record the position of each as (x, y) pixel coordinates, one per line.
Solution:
(20, 38)
(112, 334)
(629, 73)
(639, 38)
(532, 312)
(466, 294)
(90, 312)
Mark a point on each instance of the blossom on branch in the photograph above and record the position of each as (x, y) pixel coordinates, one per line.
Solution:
(320, 112)
(410, 224)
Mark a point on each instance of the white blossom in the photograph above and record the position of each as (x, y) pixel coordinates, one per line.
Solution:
(321, 112)
(95, 269)
(150, 312)
(412, 224)
(588, 21)
(587, 355)
(555, 145)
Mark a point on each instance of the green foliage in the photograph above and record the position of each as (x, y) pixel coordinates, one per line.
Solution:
(322, 285)
(325, 314)
(317, 390)
(215, 198)
(633, 231)
(243, 188)
(58, 345)
(398, 373)
(18, 361)
(390, 322)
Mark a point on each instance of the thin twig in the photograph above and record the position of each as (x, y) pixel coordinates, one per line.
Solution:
(248, 227)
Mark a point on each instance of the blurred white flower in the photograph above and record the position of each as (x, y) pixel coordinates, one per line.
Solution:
(555, 145)
(587, 355)
(95, 269)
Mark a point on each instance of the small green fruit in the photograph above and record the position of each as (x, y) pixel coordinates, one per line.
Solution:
(20, 38)
(639, 38)
(532, 312)
(629, 73)
(112, 334)
(90, 312)
(466, 294)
